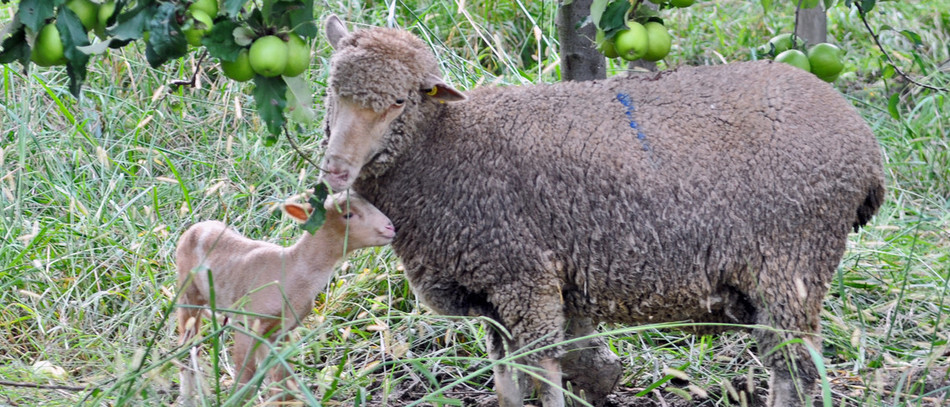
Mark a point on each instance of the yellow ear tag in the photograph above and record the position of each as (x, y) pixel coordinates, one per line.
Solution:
(434, 91)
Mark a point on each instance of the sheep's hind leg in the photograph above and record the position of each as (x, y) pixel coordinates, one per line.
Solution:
(590, 366)
(792, 308)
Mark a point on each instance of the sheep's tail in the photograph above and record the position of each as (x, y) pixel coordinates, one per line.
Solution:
(869, 207)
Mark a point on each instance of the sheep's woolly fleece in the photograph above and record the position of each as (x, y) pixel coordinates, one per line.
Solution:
(707, 194)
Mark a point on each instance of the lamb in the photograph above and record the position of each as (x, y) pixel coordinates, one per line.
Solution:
(718, 194)
(267, 282)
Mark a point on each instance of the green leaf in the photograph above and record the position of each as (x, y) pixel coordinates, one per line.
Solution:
(270, 94)
(766, 5)
(295, 14)
(299, 100)
(888, 72)
(914, 37)
(892, 106)
(34, 13)
(319, 214)
(15, 48)
(615, 18)
(131, 25)
(597, 8)
(829, 4)
(166, 40)
(73, 35)
(233, 7)
(220, 41)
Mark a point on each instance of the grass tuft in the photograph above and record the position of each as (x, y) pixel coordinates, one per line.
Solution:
(95, 191)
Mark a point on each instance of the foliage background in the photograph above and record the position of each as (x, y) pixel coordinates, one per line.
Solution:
(94, 192)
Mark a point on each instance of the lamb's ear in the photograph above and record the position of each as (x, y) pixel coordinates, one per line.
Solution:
(299, 212)
(335, 30)
(437, 89)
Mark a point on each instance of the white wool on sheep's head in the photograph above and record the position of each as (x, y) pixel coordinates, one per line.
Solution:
(376, 66)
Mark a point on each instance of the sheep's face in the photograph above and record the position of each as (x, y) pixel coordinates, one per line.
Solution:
(356, 135)
(381, 81)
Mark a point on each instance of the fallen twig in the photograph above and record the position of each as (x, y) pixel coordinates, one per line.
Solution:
(43, 386)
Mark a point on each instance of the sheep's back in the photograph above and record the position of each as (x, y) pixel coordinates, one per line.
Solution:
(646, 197)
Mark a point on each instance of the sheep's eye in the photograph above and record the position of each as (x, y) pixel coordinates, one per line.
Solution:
(400, 102)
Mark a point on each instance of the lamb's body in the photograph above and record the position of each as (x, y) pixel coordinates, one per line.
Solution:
(713, 194)
(271, 287)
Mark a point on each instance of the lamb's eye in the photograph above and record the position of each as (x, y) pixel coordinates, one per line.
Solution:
(400, 102)
(348, 215)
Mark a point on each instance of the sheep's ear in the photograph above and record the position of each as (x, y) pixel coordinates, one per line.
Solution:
(336, 30)
(437, 89)
(299, 212)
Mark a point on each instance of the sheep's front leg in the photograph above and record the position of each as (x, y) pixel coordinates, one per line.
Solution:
(551, 393)
(506, 379)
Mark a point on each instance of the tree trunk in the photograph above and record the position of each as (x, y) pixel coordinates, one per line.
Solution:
(580, 60)
(812, 25)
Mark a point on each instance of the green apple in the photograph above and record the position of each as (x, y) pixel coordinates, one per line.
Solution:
(631, 43)
(794, 57)
(604, 45)
(298, 55)
(239, 69)
(268, 56)
(48, 47)
(86, 10)
(209, 7)
(200, 25)
(106, 10)
(658, 41)
(825, 60)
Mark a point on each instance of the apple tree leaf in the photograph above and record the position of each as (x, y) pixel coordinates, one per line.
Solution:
(299, 100)
(295, 14)
(34, 13)
(914, 37)
(233, 7)
(167, 41)
(15, 48)
(73, 35)
(319, 214)
(597, 8)
(131, 26)
(614, 19)
(270, 95)
(892, 103)
(220, 41)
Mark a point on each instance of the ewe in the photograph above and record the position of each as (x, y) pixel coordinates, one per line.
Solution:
(707, 194)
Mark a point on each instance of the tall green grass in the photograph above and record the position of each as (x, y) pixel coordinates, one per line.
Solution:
(95, 191)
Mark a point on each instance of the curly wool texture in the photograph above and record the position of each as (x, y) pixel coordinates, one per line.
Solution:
(708, 194)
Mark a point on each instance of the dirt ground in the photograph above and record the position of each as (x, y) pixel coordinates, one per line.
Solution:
(846, 389)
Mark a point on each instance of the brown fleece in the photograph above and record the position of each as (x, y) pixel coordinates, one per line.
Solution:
(708, 194)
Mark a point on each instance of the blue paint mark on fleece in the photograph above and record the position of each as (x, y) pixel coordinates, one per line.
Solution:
(627, 102)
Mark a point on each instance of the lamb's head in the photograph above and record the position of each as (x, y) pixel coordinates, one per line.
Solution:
(379, 79)
(350, 216)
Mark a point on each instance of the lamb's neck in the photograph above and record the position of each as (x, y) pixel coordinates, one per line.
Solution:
(316, 252)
